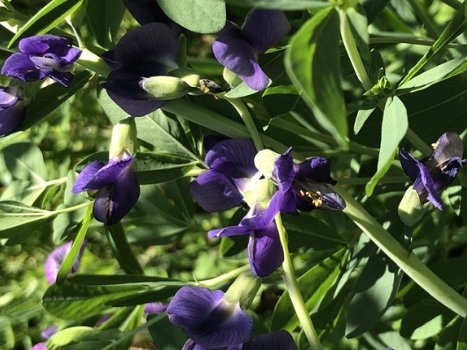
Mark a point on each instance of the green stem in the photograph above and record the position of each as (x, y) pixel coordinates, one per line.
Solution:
(295, 294)
(418, 142)
(122, 250)
(408, 39)
(244, 113)
(69, 209)
(406, 260)
(352, 51)
(91, 61)
(216, 281)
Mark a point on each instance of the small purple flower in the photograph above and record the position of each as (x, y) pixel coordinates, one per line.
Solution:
(155, 308)
(12, 110)
(49, 331)
(208, 319)
(41, 56)
(116, 184)
(304, 186)
(55, 258)
(430, 176)
(238, 48)
(39, 346)
(150, 50)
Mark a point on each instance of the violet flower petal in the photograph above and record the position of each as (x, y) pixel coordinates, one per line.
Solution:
(109, 173)
(317, 169)
(265, 251)
(265, 28)
(448, 146)
(49, 331)
(425, 187)
(284, 171)
(155, 308)
(215, 192)
(55, 258)
(280, 340)
(64, 78)
(208, 319)
(235, 53)
(410, 165)
(229, 231)
(114, 201)
(7, 98)
(40, 44)
(86, 176)
(21, 67)
(11, 118)
(39, 346)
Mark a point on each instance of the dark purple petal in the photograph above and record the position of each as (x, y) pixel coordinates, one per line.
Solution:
(21, 67)
(410, 164)
(109, 173)
(265, 28)
(149, 50)
(448, 146)
(191, 345)
(234, 158)
(425, 187)
(317, 169)
(70, 57)
(155, 308)
(39, 346)
(215, 192)
(113, 202)
(280, 340)
(40, 44)
(54, 261)
(229, 231)
(11, 118)
(258, 217)
(86, 175)
(64, 78)
(7, 97)
(208, 319)
(284, 172)
(265, 251)
(326, 198)
(235, 53)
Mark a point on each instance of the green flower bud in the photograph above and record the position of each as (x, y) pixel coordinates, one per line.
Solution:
(188, 75)
(231, 78)
(243, 290)
(259, 192)
(123, 138)
(264, 161)
(410, 208)
(164, 87)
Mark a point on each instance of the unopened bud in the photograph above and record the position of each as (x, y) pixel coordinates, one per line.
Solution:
(264, 161)
(123, 138)
(410, 208)
(243, 290)
(164, 87)
(188, 75)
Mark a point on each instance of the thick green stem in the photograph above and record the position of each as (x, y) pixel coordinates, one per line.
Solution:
(352, 51)
(91, 61)
(243, 112)
(418, 142)
(406, 260)
(122, 250)
(216, 281)
(293, 289)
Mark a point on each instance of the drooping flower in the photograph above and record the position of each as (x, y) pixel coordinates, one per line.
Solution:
(147, 51)
(231, 180)
(116, 184)
(149, 11)
(430, 176)
(55, 258)
(208, 319)
(41, 56)
(238, 49)
(12, 110)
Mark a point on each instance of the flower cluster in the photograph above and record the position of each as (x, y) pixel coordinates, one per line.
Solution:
(233, 179)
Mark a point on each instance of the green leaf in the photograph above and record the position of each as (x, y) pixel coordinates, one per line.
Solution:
(24, 161)
(312, 63)
(17, 218)
(363, 114)
(280, 4)
(462, 337)
(50, 16)
(430, 77)
(122, 250)
(70, 259)
(314, 284)
(105, 17)
(166, 335)
(7, 337)
(84, 338)
(200, 16)
(50, 98)
(359, 26)
(395, 125)
(241, 90)
(372, 294)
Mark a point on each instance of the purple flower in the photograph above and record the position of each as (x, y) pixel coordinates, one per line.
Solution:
(238, 48)
(49, 331)
(430, 176)
(208, 319)
(12, 110)
(39, 346)
(41, 56)
(116, 184)
(143, 52)
(231, 176)
(304, 186)
(155, 308)
(55, 258)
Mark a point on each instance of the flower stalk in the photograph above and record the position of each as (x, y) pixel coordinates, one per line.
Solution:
(293, 289)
